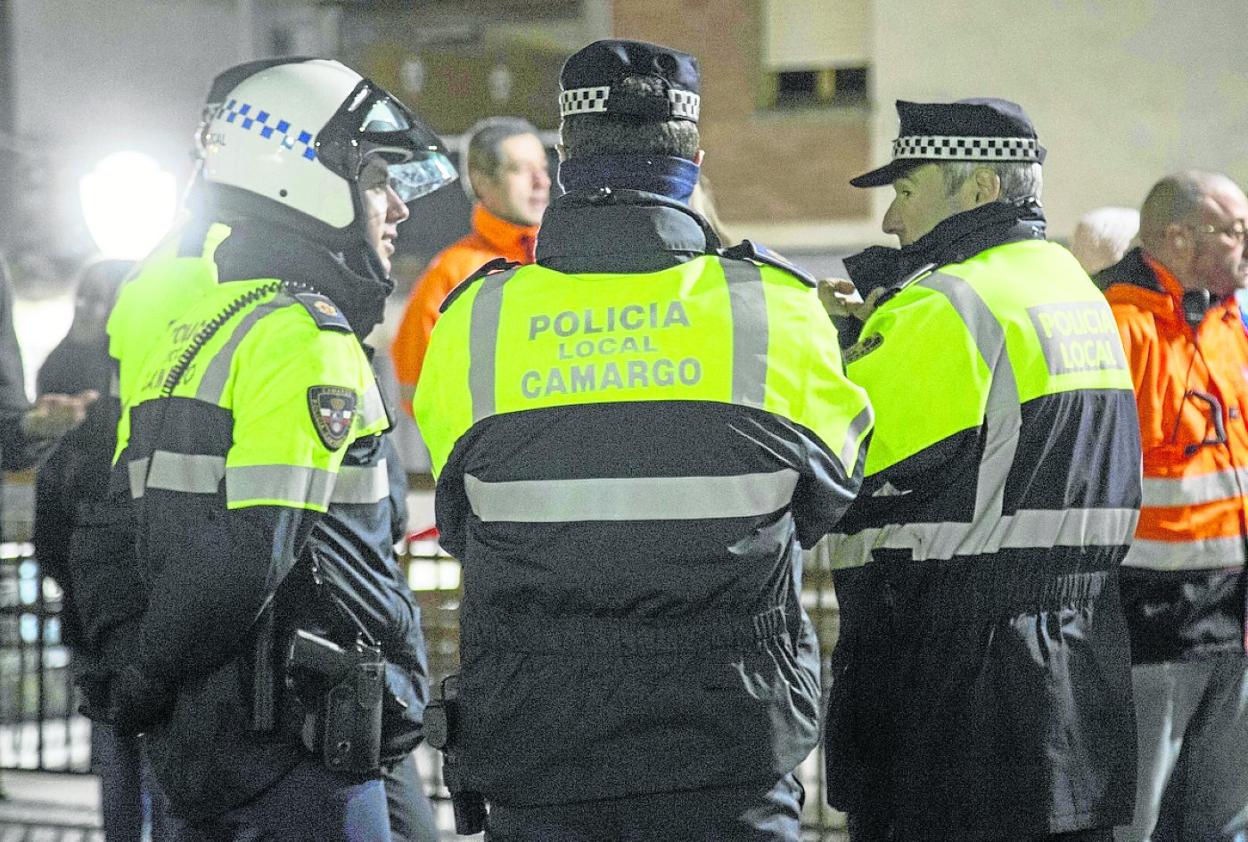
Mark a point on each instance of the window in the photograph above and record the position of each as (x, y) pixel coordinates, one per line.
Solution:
(836, 87)
(815, 53)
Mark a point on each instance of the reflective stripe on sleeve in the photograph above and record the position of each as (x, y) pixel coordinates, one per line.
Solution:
(749, 332)
(631, 498)
(190, 473)
(1200, 554)
(292, 485)
(851, 448)
(373, 411)
(1194, 490)
(357, 485)
(137, 472)
(1026, 528)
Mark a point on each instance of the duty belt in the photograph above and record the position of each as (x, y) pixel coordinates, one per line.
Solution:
(619, 636)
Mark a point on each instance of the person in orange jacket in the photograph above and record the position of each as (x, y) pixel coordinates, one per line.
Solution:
(509, 174)
(1174, 300)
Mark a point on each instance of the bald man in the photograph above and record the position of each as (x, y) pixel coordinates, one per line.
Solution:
(1175, 301)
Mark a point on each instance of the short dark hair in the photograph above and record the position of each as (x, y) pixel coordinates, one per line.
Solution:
(485, 138)
(617, 134)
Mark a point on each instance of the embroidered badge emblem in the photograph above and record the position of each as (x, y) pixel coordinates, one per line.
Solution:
(333, 410)
(325, 307)
(863, 347)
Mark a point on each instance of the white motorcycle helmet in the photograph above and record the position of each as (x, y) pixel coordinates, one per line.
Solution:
(290, 141)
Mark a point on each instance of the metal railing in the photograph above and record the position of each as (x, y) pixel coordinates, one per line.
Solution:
(40, 728)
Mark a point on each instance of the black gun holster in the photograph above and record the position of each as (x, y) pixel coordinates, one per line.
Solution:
(341, 692)
(441, 725)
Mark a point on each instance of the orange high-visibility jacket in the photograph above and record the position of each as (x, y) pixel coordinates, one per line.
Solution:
(1181, 577)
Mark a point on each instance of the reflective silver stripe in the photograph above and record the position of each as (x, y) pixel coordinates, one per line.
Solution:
(1004, 412)
(212, 385)
(1027, 528)
(114, 381)
(850, 450)
(137, 471)
(641, 498)
(749, 332)
(191, 473)
(1204, 554)
(1194, 490)
(487, 310)
(374, 408)
(359, 485)
(279, 483)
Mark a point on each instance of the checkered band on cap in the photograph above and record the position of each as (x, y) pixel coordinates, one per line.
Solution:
(942, 147)
(584, 100)
(684, 104)
(261, 122)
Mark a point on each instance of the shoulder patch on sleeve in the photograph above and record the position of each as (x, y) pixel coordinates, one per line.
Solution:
(323, 311)
(333, 411)
(746, 250)
(498, 264)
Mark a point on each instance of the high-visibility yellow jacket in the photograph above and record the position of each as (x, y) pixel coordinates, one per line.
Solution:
(628, 450)
(266, 497)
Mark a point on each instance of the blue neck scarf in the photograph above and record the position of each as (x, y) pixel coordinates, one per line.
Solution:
(668, 176)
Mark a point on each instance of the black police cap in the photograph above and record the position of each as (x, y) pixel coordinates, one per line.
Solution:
(966, 130)
(590, 81)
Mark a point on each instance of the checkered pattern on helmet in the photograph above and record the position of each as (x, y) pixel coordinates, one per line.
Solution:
(684, 104)
(943, 147)
(243, 115)
(584, 100)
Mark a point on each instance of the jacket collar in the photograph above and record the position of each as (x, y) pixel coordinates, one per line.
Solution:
(620, 231)
(958, 238)
(259, 249)
(507, 238)
(1140, 280)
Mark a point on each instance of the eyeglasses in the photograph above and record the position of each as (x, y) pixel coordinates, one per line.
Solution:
(1237, 230)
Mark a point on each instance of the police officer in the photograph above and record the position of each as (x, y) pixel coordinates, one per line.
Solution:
(278, 660)
(178, 272)
(981, 681)
(633, 439)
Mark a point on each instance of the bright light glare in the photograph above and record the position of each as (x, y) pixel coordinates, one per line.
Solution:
(129, 202)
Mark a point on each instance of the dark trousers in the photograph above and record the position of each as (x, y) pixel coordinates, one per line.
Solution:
(310, 804)
(768, 812)
(129, 796)
(862, 829)
(411, 814)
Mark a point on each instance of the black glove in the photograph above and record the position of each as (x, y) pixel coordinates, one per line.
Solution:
(92, 678)
(137, 702)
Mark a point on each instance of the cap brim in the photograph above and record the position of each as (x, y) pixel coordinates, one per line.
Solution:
(886, 174)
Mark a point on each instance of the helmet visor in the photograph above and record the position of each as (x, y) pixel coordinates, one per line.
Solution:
(372, 122)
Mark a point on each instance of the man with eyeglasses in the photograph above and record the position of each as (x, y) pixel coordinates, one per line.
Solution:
(1174, 299)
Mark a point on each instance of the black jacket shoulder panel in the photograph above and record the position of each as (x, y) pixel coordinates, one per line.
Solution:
(498, 264)
(1132, 269)
(747, 250)
(323, 311)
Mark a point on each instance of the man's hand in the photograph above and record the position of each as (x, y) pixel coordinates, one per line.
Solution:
(136, 702)
(840, 298)
(55, 415)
